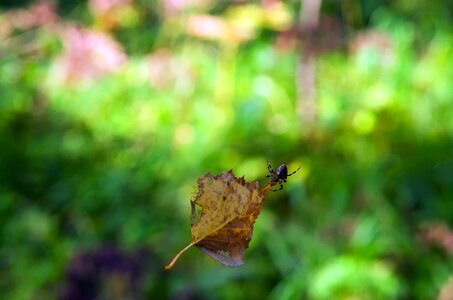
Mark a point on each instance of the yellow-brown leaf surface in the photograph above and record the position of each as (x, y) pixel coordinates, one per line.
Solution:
(223, 213)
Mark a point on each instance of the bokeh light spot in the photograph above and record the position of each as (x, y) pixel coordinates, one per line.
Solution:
(184, 135)
(363, 122)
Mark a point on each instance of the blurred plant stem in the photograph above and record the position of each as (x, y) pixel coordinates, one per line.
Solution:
(306, 69)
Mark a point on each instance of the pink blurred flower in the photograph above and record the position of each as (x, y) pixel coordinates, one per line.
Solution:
(160, 66)
(168, 71)
(377, 41)
(87, 55)
(208, 27)
(439, 234)
(39, 14)
(371, 39)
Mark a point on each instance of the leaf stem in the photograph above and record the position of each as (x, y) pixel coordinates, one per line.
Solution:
(267, 187)
(170, 265)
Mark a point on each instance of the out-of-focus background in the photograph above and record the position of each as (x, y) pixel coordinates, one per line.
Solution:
(111, 109)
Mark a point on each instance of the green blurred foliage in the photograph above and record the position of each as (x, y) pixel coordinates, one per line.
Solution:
(114, 159)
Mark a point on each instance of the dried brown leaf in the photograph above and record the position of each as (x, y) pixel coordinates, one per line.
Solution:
(223, 213)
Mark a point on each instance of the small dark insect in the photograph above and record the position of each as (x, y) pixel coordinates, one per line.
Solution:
(279, 176)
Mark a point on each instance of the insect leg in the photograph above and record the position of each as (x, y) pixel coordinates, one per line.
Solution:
(269, 167)
(294, 171)
(280, 188)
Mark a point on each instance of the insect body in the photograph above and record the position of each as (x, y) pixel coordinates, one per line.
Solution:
(279, 176)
